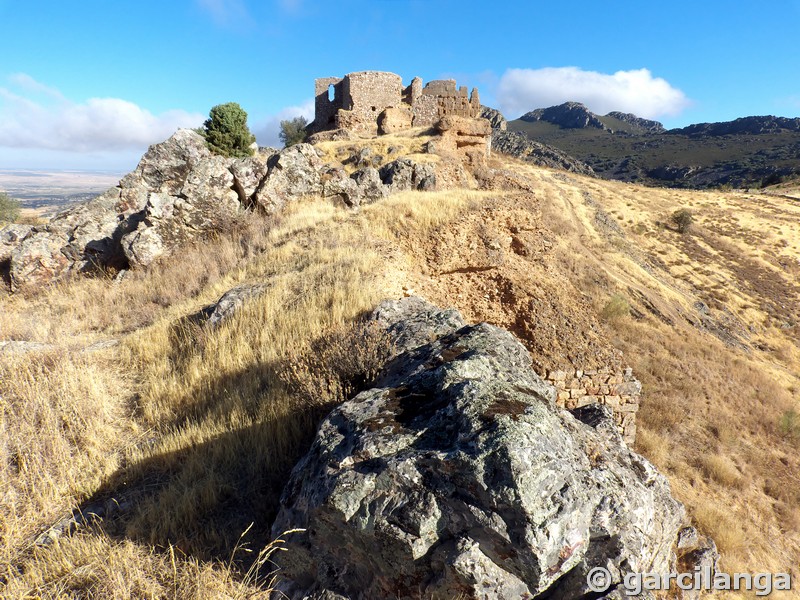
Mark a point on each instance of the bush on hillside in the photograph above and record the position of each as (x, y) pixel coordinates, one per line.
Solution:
(9, 208)
(616, 308)
(293, 131)
(226, 131)
(682, 220)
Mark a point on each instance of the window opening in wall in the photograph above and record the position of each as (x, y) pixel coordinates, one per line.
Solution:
(331, 93)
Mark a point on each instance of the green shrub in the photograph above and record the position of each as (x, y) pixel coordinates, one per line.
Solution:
(293, 131)
(616, 308)
(9, 208)
(682, 220)
(790, 424)
(226, 131)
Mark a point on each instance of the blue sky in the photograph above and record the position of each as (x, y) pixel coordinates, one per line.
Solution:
(88, 85)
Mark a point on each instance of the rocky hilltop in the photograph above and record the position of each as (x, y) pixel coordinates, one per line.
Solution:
(570, 115)
(181, 192)
(245, 381)
(746, 152)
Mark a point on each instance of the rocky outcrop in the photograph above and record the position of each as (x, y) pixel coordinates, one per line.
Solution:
(520, 146)
(468, 139)
(570, 115)
(394, 119)
(405, 174)
(180, 192)
(11, 236)
(456, 476)
(638, 124)
(495, 118)
(230, 303)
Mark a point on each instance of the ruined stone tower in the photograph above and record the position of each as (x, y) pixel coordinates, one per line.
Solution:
(360, 101)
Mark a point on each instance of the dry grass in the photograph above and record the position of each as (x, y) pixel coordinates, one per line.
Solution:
(196, 427)
(200, 427)
(410, 143)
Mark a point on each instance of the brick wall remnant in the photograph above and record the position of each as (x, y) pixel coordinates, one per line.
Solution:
(360, 98)
(619, 390)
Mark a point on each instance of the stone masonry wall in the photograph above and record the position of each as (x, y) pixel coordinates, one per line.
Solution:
(366, 95)
(620, 391)
(360, 98)
(325, 108)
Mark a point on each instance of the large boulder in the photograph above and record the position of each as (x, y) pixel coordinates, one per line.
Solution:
(206, 202)
(12, 236)
(469, 139)
(394, 119)
(293, 173)
(406, 174)
(456, 476)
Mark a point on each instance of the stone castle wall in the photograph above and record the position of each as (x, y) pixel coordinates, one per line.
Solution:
(360, 98)
(619, 390)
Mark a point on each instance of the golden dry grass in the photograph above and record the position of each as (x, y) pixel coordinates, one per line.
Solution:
(200, 427)
(410, 143)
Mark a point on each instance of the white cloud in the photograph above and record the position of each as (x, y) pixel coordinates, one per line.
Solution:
(99, 124)
(29, 84)
(266, 130)
(635, 91)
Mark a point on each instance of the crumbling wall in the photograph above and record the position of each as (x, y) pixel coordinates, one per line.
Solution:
(366, 95)
(325, 108)
(360, 98)
(441, 98)
(617, 389)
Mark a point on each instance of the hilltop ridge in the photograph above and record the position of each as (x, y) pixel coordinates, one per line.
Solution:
(746, 152)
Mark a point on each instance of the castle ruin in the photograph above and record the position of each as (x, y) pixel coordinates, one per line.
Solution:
(372, 102)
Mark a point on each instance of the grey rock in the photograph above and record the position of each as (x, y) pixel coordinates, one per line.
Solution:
(369, 185)
(456, 476)
(165, 167)
(249, 175)
(339, 185)
(520, 146)
(495, 118)
(22, 347)
(293, 173)
(639, 125)
(413, 322)
(405, 174)
(12, 236)
(38, 260)
(230, 302)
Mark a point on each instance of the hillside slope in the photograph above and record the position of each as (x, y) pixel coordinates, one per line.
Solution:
(747, 152)
(195, 429)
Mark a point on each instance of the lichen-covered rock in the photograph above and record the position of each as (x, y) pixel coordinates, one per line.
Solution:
(39, 259)
(405, 174)
(337, 184)
(230, 303)
(293, 173)
(12, 236)
(369, 185)
(456, 476)
(206, 202)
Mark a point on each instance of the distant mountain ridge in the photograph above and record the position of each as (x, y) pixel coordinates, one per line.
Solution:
(746, 152)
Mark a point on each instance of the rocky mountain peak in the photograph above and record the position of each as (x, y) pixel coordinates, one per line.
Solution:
(570, 115)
